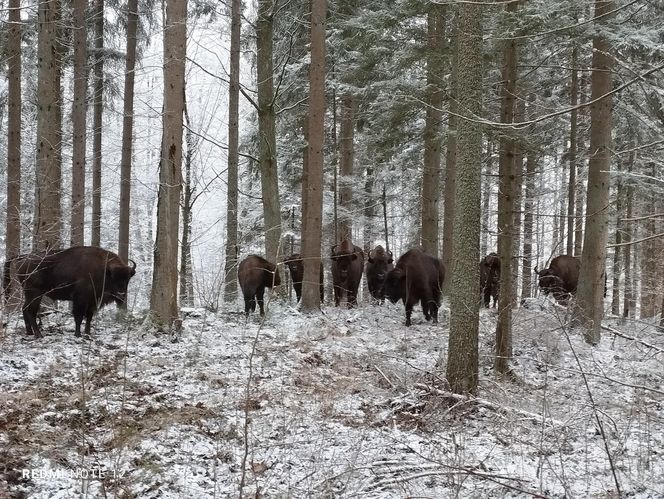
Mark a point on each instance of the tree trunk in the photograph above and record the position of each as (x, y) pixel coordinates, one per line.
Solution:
(48, 212)
(589, 308)
(79, 112)
(98, 108)
(486, 198)
(432, 145)
(617, 250)
(230, 285)
(518, 198)
(369, 211)
(628, 300)
(312, 193)
(506, 204)
(346, 160)
(528, 209)
(267, 142)
(450, 165)
(462, 362)
(163, 298)
(13, 232)
(571, 187)
(650, 256)
(127, 130)
(186, 271)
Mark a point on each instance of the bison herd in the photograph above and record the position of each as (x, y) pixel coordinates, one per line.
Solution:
(92, 277)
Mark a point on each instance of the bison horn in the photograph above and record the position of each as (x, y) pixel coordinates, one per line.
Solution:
(535, 270)
(132, 264)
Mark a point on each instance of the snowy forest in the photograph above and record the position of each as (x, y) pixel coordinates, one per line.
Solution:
(374, 249)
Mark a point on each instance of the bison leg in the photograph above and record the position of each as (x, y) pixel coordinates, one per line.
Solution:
(409, 311)
(297, 286)
(486, 294)
(337, 295)
(433, 311)
(79, 312)
(88, 320)
(260, 292)
(351, 299)
(30, 311)
(425, 308)
(249, 304)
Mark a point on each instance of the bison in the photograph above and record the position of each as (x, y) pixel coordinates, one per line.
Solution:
(296, 267)
(490, 278)
(347, 267)
(560, 278)
(379, 264)
(255, 274)
(90, 277)
(417, 276)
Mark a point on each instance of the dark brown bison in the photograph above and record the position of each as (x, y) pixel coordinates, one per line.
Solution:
(416, 277)
(561, 277)
(379, 264)
(347, 267)
(296, 268)
(490, 278)
(255, 274)
(89, 277)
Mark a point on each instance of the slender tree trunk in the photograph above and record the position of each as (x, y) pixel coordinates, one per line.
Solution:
(650, 256)
(462, 362)
(506, 191)
(486, 198)
(346, 167)
(432, 136)
(528, 208)
(98, 107)
(13, 232)
(127, 130)
(518, 195)
(589, 306)
(581, 173)
(571, 186)
(48, 212)
(163, 298)
(617, 250)
(311, 236)
(384, 203)
(79, 112)
(369, 212)
(267, 130)
(186, 271)
(628, 300)
(230, 289)
(450, 165)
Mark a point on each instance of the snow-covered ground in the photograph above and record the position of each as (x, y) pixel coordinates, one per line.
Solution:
(348, 404)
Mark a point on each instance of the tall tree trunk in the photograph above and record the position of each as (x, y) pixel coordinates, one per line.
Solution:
(650, 256)
(617, 250)
(98, 108)
(267, 142)
(369, 211)
(571, 186)
(127, 130)
(518, 198)
(48, 212)
(186, 271)
(346, 161)
(79, 112)
(230, 285)
(506, 191)
(628, 300)
(312, 193)
(450, 164)
(13, 232)
(462, 362)
(528, 208)
(486, 198)
(581, 173)
(589, 305)
(432, 138)
(163, 298)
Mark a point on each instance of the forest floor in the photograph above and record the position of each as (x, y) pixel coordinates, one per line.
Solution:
(345, 404)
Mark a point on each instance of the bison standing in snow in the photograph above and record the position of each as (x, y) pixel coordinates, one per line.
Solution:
(417, 276)
(255, 274)
(379, 264)
(347, 267)
(490, 278)
(561, 277)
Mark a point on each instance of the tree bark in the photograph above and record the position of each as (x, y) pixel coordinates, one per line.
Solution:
(506, 191)
(163, 298)
(617, 250)
(450, 165)
(48, 212)
(267, 142)
(486, 198)
(79, 112)
(186, 271)
(312, 194)
(462, 362)
(346, 161)
(528, 208)
(571, 186)
(13, 231)
(589, 308)
(230, 285)
(629, 299)
(432, 136)
(98, 108)
(127, 130)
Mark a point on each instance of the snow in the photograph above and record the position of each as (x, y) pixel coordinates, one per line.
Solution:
(348, 403)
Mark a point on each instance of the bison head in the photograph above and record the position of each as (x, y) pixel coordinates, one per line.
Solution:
(394, 285)
(117, 281)
(344, 259)
(549, 282)
(381, 262)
